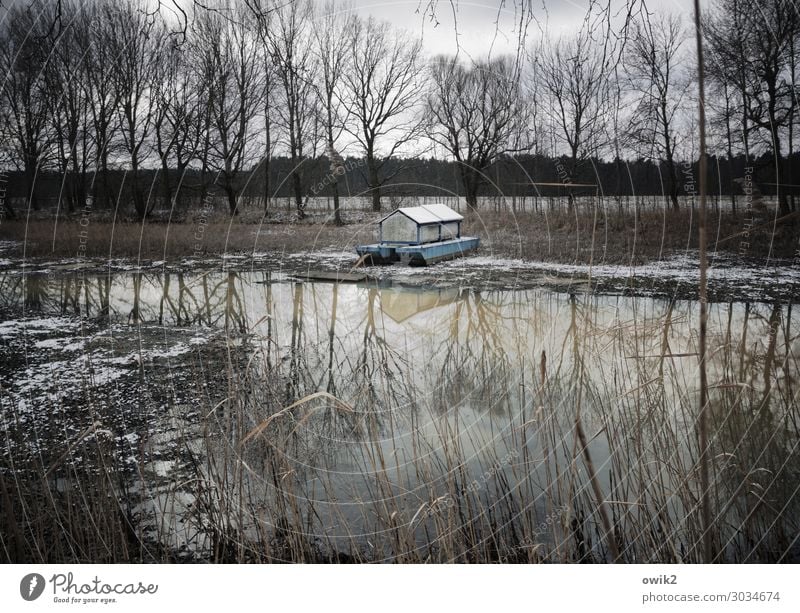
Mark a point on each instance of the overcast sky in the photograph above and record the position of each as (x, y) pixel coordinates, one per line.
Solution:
(483, 26)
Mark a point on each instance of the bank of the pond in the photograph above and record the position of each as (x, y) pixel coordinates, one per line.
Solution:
(676, 276)
(602, 236)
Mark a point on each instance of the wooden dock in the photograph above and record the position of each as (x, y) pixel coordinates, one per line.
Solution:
(334, 276)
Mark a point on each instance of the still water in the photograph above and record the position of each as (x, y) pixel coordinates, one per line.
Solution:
(382, 420)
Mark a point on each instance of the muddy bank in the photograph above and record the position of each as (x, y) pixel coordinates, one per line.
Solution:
(730, 278)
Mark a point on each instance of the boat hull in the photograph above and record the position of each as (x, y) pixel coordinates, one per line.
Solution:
(419, 255)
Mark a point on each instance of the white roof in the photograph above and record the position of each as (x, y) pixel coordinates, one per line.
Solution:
(429, 213)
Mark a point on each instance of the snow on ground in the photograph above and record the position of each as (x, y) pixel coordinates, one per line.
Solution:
(52, 370)
(174, 351)
(60, 344)
(41, 326)
(6, 245)
(684, 268)
(66, 361)
(323, 256)
(727, 273)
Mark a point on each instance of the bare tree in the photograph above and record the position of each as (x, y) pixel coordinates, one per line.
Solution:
(382, 91)
(270, 143)
(71, 103)
(177, 121)
(262, 11)
(99, 61)
(723, 110)
(574, 74)
(652, 63)
(753, 45)
(232, 72)
(727, 73)
(291, 49)
(26, 103)
(137, 43)
(333, 53)
(477, 114)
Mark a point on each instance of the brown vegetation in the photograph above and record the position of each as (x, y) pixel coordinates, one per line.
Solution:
(585, 236)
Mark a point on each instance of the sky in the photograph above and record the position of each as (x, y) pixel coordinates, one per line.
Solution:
(484, 26)
(489, 26)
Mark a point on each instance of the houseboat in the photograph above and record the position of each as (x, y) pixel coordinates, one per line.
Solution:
(418, 236)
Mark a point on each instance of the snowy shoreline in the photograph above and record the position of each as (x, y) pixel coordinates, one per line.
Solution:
(729, 277)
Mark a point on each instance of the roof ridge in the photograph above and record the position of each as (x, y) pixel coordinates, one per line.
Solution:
(433, 212)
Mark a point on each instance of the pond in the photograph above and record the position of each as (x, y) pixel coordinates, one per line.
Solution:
(251, 415)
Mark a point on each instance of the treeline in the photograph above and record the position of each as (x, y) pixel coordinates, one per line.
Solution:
(524, 175)
(120, 103)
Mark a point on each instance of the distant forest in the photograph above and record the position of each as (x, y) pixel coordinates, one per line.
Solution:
(510, 176)
(251, 101)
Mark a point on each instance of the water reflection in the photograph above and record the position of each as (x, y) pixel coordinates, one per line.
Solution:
(458, 405)
(454, 343)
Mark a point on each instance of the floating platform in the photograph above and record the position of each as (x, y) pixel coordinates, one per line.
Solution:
(378, 253)
(419, 255)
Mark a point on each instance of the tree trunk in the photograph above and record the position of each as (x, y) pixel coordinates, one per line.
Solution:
(232, 201)
(673, 197)
(165, 183)
(374, 185)
(203, 185)
(337, 213)
(298, 190)
(571, 177)
(783, 202)
(296, 149)
(204, 189)
(104, 177)
(268, 146)
(728, 134)
(180, 172)
(266, 186)
(30, 180)
(138, 200)
(471, 180)
(672, 173)
(79, 178)
(673, 184)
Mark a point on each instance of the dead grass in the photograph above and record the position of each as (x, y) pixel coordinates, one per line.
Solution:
(103, 239)
(582, 236)
(613, 237)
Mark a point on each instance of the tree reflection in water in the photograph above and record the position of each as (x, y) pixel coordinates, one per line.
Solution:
(445, 424)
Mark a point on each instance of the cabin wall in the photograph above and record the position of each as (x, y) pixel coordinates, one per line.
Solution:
(429, 234)
(450, 230)
(398, 228)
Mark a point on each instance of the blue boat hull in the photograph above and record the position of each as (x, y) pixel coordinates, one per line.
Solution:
(378, 253)
(419, 255)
